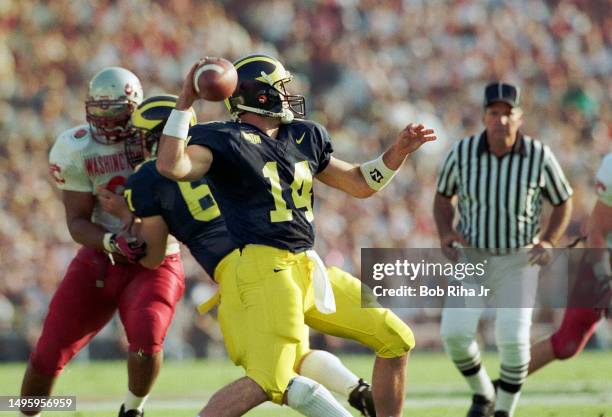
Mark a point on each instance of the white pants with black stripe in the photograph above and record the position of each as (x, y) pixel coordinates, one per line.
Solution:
(514, 284)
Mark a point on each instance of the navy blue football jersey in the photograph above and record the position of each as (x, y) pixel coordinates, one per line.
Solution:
(264, 186)
(189, 210)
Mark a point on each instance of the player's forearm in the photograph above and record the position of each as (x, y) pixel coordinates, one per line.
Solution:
(346, 177)
(172, 162)
(152, 261)
(444, 213)
(172, 159)
(351, 182)
(559, 220)
(86, 233)
(363, 181)
(154, 232)
(394, 157)
(356, 185)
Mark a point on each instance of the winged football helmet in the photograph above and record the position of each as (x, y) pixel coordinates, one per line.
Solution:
(261, 89)
(147, 122)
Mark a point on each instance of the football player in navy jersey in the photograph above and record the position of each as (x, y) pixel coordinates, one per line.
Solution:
(260, 168)
(188, 211)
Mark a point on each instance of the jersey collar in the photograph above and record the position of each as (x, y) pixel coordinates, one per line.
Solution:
(518, 147)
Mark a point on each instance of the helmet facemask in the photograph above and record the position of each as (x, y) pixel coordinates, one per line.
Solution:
(110, 119)
(295, 103)
(142, 145)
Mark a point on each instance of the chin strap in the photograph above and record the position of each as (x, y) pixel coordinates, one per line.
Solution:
(286, 116)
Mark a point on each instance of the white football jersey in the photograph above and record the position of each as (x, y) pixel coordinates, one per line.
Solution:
(603, 186)
(79, 163)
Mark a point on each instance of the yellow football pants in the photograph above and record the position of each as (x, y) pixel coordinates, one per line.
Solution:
(267, 300)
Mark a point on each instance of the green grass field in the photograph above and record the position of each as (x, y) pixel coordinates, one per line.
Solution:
(581, 387)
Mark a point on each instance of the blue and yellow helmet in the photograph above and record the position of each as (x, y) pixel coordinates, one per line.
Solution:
(147, 123)
(261, 89)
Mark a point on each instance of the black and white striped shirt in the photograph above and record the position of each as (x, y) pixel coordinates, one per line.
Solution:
(500, 198)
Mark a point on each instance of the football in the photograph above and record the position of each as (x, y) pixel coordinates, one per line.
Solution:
(215, 79)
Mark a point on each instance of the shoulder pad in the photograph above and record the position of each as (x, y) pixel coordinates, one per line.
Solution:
(80, 133)
(145, 170)
(215, 128)
(72, 140)
(307, 123)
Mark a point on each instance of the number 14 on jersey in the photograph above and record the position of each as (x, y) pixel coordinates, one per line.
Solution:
(301, 191)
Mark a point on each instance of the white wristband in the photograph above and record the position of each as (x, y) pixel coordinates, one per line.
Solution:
(106, 242)
(177, 125)
(376, 173)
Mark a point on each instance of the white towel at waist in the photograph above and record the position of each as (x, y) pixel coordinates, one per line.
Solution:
(323, 292)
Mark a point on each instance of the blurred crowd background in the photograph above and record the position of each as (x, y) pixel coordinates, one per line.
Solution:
(367, 68)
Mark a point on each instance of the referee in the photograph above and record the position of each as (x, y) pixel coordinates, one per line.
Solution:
(500, 178)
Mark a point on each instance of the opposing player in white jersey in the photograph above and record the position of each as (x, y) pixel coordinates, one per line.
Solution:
(105, 276)
(579, 321)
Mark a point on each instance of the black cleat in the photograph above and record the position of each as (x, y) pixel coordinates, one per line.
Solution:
(481, 407)
(129, 413)
(361, 399)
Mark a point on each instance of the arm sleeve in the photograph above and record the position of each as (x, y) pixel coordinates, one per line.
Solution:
(603, 179)
(140, 192)
(447, 178)
(66, 169)
(325, 150)
(215, 140)
(557, 188)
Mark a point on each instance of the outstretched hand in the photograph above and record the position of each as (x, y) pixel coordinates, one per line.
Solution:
(412, 137)
(407, 141)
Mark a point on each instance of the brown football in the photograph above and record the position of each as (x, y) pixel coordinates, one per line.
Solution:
(215, 79)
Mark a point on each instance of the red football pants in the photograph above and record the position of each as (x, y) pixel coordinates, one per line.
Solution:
(580, 319)
(577, 327)
(79, 309)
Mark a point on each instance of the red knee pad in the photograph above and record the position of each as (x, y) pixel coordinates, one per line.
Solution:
(147, 329)
(576, 329)
(148, 305)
